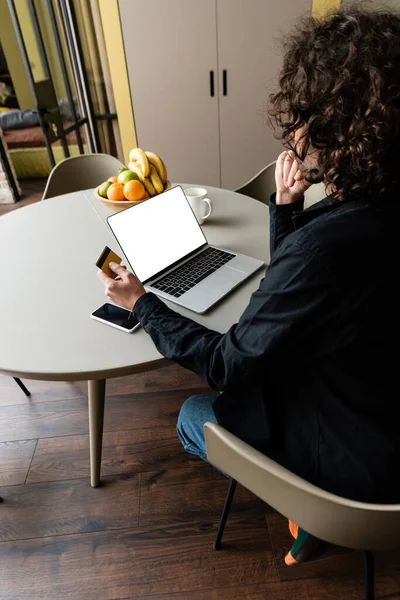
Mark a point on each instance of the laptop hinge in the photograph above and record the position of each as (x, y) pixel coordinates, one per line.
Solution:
(177, 262)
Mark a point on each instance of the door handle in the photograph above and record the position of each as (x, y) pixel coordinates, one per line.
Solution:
(211, 83)
(225, 82)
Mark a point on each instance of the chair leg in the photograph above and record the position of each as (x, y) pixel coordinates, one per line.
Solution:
(225, 512)
(369, 575)
(22, 386)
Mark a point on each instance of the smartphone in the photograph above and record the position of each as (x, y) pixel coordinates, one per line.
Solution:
(116, 316)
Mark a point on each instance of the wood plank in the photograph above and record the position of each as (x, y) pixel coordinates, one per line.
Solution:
(351, 589)
(15, 458)
(171, 377)
(388, 563)
(60, 508)
(6, 208)
(337, 562)
(43, 419)
(132, 451)
(133, 562)
(41, 391)
(169, 496)
(70, 417)
(32, 186)
(31, 191)
(269, 591)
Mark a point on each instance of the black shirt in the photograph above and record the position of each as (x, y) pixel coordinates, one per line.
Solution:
(309, 373)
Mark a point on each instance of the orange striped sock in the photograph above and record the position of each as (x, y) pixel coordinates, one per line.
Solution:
(289, 560)
(294, 529)
(305, 547)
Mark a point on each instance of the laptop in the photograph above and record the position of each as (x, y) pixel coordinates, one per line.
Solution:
(168, 251)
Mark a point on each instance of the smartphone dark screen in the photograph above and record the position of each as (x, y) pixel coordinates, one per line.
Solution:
(117, 315)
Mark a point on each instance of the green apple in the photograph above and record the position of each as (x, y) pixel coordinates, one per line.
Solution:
(126, 176)
(122, 169)
(102, 190)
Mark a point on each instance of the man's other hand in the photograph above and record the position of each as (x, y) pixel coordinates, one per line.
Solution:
(125, 289)
(290, 183)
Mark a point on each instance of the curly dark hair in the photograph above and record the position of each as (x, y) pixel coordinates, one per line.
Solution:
(340, 86)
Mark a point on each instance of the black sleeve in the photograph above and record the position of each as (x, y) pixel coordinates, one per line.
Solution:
(296, 296)
(281, 221)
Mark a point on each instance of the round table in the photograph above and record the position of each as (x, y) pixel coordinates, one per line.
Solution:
(49, 289)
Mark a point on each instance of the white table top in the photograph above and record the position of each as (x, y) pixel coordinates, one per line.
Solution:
(49, 286)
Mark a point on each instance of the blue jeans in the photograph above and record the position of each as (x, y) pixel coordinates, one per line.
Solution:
(195, 411)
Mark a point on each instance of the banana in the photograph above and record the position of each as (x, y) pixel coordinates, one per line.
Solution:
(155, 180)
(156, 160)
(134, 166)
(138, 155)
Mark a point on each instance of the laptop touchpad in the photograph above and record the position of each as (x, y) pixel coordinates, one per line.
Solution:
(223, 279)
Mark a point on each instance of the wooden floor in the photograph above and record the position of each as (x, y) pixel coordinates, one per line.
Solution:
(32, 191)
(147, 531)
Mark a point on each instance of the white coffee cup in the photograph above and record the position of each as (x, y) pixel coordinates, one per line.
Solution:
(201, 206)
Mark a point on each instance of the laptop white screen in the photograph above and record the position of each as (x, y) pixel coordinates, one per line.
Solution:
(158, 232)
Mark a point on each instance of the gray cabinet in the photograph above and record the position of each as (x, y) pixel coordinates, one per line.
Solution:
(200, 74)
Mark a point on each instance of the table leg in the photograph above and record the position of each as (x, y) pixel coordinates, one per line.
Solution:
(96, 396)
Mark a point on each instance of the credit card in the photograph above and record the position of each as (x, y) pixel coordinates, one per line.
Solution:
(104, 260)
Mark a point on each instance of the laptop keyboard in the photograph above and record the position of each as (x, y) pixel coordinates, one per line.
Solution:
(192, 272)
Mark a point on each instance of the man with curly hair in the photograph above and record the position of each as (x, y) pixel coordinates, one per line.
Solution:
(309, 375)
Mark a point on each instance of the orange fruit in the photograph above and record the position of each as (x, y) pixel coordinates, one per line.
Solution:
(134, 190)
(145, 195)
(116, 192)
(113, 179)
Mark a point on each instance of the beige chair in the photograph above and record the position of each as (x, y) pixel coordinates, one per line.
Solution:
(315, 193)
(262, 185)
(336, 520)
(80, 173)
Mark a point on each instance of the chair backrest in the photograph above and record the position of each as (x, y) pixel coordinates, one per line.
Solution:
(79, 173)
(315, 193)
(262, 185)
(329, 517)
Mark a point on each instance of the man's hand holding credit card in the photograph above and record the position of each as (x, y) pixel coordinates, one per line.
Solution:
(113, 314)
(122, 288)
(104, 260)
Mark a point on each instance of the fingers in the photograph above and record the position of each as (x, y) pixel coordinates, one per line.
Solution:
(279, 167)
(279, 170)
(290, 168)
(280, 161)
(111, 289)
(292, 174)
(287, 166)
(118, 269)
(104, 278)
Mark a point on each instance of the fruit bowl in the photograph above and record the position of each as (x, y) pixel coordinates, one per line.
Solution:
(121, 204)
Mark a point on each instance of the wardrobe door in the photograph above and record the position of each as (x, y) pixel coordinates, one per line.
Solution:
(171, 56)
(250, 57)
